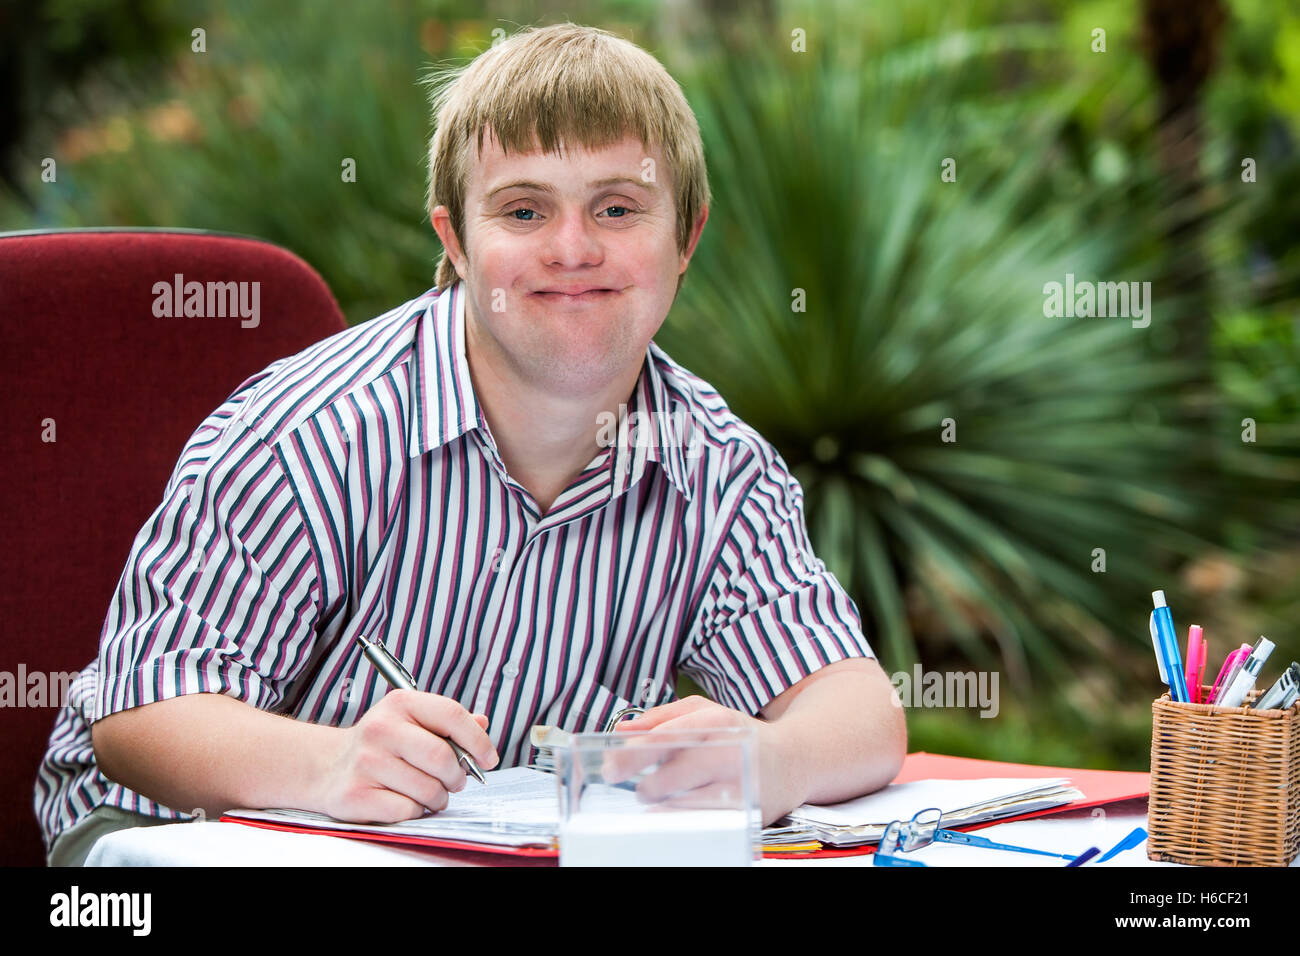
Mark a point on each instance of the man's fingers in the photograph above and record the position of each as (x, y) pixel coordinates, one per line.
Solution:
(447, 718)
(640, 752)
(400, 777)
(686, 771)
(637, 755)
(725, 795)
(429, 754)
(657, 716)
(643, 751)
(388, 806)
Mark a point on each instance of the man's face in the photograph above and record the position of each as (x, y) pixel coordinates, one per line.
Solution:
(572, 260)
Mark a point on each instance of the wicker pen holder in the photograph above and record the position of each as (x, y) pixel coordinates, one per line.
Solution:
(1225, 784)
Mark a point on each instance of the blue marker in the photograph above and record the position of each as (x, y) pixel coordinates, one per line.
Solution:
(1165, 640)
(1084, 857)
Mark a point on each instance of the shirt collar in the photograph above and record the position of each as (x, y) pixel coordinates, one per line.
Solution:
(444, 406)
(443, 403)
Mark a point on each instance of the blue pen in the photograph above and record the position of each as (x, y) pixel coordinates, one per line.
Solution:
(1165, 640)
(1134, 838)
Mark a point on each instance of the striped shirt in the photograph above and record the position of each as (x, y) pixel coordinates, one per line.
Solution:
(355, 488)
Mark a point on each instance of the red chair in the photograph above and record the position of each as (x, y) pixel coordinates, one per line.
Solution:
(89, 363)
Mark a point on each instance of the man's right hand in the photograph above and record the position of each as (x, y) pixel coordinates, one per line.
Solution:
(393, 763)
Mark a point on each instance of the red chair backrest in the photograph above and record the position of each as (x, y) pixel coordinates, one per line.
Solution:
(124, 389)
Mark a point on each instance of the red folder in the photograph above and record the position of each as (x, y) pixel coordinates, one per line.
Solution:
(533, 851)
(1098, 787)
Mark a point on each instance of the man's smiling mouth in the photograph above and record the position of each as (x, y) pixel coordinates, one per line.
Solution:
(561, 298)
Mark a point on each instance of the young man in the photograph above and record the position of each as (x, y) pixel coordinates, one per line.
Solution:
(507, 483)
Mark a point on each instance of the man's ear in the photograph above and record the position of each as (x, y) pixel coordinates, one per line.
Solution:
(441, 220)
(694, 239)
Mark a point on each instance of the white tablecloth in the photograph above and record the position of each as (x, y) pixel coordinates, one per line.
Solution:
(232, 844)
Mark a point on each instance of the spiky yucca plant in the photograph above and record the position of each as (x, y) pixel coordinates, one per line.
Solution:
(970, 464)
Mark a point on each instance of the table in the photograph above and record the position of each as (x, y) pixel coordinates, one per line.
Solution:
(207, 843)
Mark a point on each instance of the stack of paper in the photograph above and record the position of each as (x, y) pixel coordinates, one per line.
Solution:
(517, 807)
(962, 802)
(790, 839)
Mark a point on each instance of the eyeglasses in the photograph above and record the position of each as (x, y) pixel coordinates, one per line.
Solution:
(924, 828)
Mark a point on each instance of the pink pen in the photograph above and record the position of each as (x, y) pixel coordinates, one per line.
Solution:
(1228, 671)
(1196, 652)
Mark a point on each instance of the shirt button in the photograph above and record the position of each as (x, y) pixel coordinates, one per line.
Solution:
(510, 671)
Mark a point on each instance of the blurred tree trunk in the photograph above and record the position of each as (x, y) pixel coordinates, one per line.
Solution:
(729, 14)
(1182, 44)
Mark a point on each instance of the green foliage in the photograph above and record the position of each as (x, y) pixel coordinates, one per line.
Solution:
(925, 305)
(1039, 730)
(49, 47)
(268, 115)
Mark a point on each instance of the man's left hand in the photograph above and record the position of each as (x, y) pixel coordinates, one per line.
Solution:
(697, 777)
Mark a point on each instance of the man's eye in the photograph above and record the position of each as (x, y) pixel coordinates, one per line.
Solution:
(616, 212)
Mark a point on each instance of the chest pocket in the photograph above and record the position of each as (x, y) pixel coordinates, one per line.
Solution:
(587, 709)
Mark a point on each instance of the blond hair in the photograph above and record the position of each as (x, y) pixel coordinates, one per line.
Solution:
(563, 86)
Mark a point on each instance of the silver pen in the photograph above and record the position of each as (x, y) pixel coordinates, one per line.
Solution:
(391, 669)
(1283, 692)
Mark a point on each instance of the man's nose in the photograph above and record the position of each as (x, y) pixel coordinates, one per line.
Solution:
(574, 240)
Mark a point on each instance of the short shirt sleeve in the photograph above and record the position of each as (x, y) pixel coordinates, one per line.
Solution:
(218, 594)
(772, 613)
